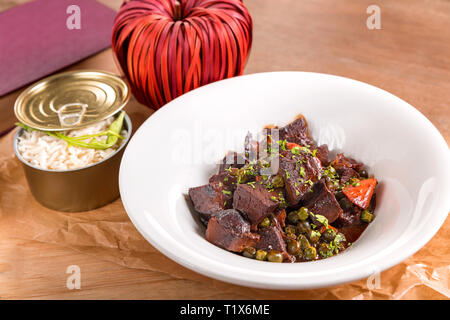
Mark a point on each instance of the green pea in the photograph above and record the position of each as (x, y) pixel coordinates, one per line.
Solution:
(340, 238)
(304, 243)
(249, 252)
(339, 241)
(314, 236)
(242, 175)
(366, 216)
(293, 247)
(304, 227)
(290, 229)
(339, 195)
(293, 217)
(345, 204)
(364, 174)
(278, 182)
(325, 250)
(233, 171)
(310, 253)
(275, 256)
(303, 213)
(265, 223)
(261, 255)
(328, 235)
(292, 236)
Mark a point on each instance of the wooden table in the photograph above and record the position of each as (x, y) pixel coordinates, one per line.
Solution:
(409, 57)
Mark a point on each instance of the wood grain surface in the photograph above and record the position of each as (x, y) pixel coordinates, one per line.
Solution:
(409, 57)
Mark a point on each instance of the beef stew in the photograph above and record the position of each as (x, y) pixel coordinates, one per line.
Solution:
(309, 207)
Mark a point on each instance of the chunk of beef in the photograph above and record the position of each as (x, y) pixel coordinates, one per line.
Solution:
(251, 148)
(280, 216)
(209, 199)
(346, 167)
(224, 179)
(271, 238)
(255, 201)
(228, 229)
(350, 224)
(346, 174)
(322, 201)
(270, 136)
(299, 172)
(297, 132)
(342, 162)
(348, 217)
(323, 154)
(231, 160)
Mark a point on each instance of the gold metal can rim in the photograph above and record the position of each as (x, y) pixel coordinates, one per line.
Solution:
(71, 100)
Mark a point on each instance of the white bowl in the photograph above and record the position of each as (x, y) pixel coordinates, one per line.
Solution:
(398, 144)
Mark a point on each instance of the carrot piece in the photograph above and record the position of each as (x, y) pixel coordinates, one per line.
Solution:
(291, 145)
(361, 194)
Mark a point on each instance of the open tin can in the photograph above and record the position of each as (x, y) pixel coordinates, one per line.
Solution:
(68, 101)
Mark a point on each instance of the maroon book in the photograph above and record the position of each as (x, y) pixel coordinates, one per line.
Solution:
(44, 36)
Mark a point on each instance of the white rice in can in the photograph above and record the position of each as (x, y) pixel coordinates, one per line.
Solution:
(51, 153)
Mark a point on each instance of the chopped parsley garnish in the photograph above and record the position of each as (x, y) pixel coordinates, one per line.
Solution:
(330, 172)
(335, 244)
(296, 150)
(282, 144)
(302, 171)
(279, 199)
(226, 192)
(245, 172)
(288, 175)
(322, 219)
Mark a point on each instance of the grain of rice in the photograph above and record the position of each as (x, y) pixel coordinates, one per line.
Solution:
(52, 153)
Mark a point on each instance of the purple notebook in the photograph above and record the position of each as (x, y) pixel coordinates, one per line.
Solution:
(43, 36)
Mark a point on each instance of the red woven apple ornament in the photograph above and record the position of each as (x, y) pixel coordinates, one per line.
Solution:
(168, 47)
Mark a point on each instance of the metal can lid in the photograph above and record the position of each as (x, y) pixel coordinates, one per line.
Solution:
(70, 100)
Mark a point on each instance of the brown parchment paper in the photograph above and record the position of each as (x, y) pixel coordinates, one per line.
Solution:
(108, 234)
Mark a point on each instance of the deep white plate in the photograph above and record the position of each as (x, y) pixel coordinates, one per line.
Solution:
(178, 147)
